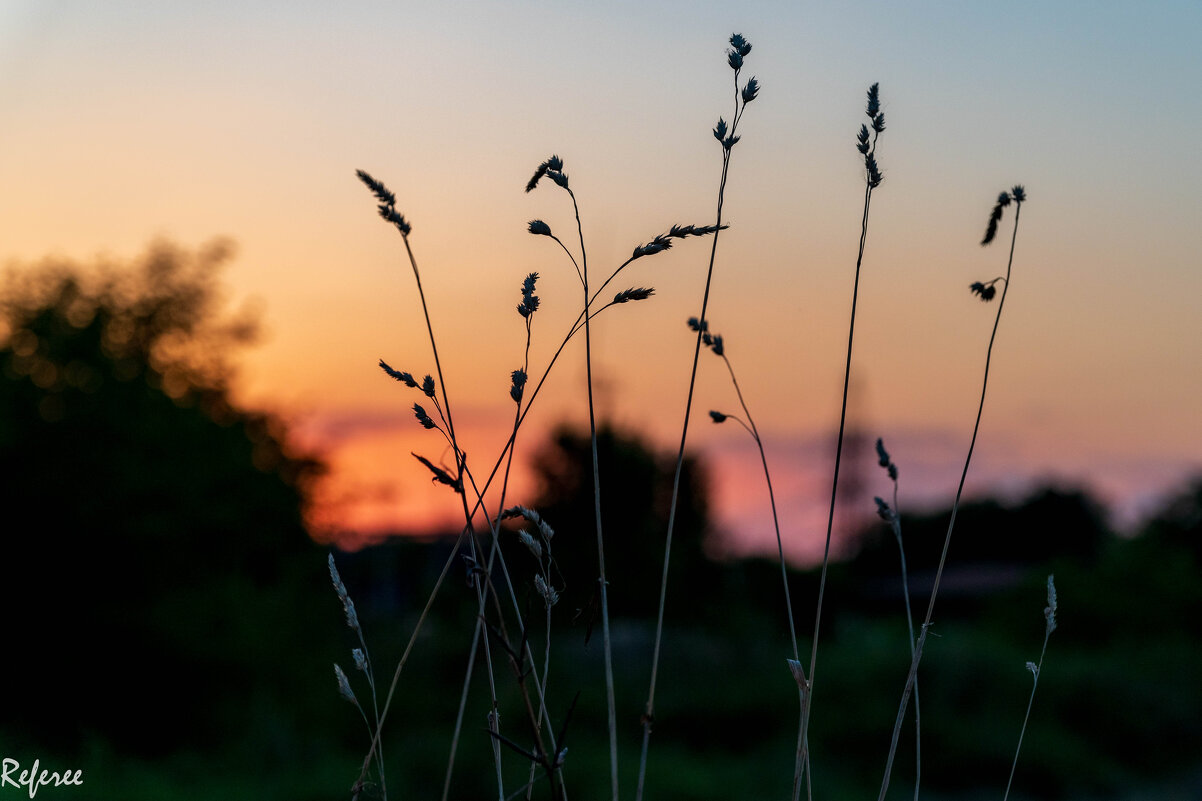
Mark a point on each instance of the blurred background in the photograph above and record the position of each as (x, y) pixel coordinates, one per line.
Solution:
(196, 291)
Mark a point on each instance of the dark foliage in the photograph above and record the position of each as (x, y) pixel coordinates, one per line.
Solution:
(150, 525)
(636, 493)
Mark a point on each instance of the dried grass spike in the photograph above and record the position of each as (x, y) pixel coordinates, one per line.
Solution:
(422, 417)
(405, 378)
(750, 90)
(634, 293)
(1049, 612)
(344, 685)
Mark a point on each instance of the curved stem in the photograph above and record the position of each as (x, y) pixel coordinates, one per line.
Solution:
(947, 540)
(784, 575)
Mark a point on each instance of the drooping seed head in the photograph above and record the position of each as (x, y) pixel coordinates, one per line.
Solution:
(531, 544)
(550, 596)
(881, 453)
(539, 228)
(986, 291)
(717, 417)
(422, 417)
(883, 511)
(400, 375)
(555, 163)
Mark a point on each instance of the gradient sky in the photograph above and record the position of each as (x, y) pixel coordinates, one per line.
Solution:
(123, 122)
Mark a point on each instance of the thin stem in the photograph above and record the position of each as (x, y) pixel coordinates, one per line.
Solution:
(780, 549)
(480, 611)
(649, 710)
(895, 524)
(396, 676)
(1027, 717)
(830, 519)
(467, 681)
(592, 425)
(947, 540)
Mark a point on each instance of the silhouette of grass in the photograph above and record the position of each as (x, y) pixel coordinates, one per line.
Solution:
(507, 629)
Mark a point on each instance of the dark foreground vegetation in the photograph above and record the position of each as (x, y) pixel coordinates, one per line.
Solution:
(170, 632)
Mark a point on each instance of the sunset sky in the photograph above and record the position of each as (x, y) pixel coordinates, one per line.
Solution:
(124, 122)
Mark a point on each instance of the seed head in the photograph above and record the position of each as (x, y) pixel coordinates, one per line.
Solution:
(555, 163)
(883, 511)
(529, 304)
(717, 417)
(422, 417)
(518, 379)
(403, 377)
(531, 544)
(344, 685)
(539, 228)
(550, 596)
(874, 173)
(638, 293)
(1049, 612)
(750, 90)
(874, 100)
(986, 291)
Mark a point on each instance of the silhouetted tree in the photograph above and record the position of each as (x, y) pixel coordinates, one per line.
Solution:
(1179, 523)
(1047, 524)
(149, 523)
(636, 492)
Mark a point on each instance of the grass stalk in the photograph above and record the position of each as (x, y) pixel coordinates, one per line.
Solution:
(872, 179)
(1049, 614)
(715, 343)
(739, 48)
(892, 516)
(986, 291)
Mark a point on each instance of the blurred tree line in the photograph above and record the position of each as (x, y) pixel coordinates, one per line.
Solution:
(162, 595)
(158, 571)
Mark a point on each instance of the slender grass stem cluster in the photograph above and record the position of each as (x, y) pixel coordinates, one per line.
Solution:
(508, 633)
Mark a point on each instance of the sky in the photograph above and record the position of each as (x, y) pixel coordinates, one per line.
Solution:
(128, 122)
